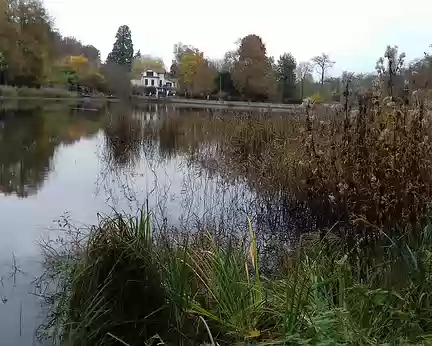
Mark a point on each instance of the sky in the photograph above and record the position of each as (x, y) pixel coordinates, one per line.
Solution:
(354, 34)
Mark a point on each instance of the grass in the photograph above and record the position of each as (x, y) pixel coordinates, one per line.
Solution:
(23, 92)
(128, 281)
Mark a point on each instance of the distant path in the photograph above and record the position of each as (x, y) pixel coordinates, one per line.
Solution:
(238, 105)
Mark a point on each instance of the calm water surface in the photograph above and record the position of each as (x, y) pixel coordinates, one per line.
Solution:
(73, 164)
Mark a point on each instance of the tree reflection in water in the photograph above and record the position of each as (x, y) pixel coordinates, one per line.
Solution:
(28, 140)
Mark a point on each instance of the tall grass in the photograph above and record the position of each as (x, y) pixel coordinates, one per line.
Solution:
(128, 281)
(365, 163)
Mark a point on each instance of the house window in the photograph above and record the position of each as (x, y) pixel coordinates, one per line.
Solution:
(160, 83)
(146, 81)
(152, 82)
(149, 73)
(169, 84)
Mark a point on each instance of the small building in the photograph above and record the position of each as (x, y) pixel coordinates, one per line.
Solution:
(158, 79)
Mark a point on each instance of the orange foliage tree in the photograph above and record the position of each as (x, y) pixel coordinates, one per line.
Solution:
(252, 73)
(196, 75)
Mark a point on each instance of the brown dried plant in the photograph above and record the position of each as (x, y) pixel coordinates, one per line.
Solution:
(374, 158)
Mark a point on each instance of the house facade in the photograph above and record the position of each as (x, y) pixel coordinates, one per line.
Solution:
(157, 79)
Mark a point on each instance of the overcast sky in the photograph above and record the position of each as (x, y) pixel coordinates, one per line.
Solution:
(355, 34)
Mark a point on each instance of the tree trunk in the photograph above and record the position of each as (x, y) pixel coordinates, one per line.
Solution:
(302, 85)
(322, 79)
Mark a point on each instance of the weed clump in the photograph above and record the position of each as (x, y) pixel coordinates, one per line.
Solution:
(112, 286)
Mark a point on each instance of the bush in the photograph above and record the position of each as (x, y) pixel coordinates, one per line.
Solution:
(12, 92)
(317, 97)
(8, 91)
(45, 92)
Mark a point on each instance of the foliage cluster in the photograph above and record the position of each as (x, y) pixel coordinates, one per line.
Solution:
(34, 54)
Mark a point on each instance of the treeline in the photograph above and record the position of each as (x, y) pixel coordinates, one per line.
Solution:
(34, 54)
(248, 73)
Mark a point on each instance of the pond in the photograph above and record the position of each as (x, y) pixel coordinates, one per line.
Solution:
(69, 165)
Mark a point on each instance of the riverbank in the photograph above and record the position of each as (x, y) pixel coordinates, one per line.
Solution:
(47, 94)
(129, 282)
(215, 104)
(26, 103)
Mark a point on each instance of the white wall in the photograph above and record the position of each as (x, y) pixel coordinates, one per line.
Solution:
(160, 76)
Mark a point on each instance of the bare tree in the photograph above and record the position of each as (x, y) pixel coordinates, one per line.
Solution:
(303, 69)
(217, 64)
(229, 60)
(322, 63)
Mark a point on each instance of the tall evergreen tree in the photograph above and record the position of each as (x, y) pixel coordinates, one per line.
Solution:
(286, 67)
(122, 52)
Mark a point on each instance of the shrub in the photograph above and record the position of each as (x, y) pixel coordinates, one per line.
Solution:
(8, 91)
(45, 92)
(317, 97)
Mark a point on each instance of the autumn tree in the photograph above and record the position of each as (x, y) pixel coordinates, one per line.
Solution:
(32, 50)
(26, 42)
(285, 74)
(146, 62)
(196, 75)
(180, 49)
(117, 81)
(322, 63)
(303, 70)
(252, 72)
(122, 52)
(70, 46)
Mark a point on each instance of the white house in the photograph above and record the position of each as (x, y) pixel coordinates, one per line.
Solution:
(155, 78)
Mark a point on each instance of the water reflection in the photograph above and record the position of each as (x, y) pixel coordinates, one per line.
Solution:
(28, 139)
(85, 163)
(38, 182)
(150, 154)
(123, 139)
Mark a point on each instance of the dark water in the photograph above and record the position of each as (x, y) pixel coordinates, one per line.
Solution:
(74, 164)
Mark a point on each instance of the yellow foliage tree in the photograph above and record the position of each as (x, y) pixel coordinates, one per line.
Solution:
(78, 63)
(196, 74)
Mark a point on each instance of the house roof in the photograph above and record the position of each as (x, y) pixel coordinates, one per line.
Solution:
(156, 69)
